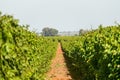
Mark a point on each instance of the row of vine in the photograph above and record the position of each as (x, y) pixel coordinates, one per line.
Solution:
(96, 54)
(24, 55)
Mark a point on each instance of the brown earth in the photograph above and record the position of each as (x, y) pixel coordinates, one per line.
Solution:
(58, 69)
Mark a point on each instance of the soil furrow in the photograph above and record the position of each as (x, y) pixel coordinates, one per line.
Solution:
(58, 69)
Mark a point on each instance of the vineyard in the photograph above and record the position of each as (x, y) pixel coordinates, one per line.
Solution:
(24, 55)
(96, 54)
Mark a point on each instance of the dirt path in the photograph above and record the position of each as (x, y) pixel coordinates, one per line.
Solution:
(58, 69)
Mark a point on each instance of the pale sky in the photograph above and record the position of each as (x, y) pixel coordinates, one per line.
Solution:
(64, 15)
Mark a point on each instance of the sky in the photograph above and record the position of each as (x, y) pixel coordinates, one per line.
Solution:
(63, 15)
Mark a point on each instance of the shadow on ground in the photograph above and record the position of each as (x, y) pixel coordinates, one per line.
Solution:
(73, 72)
(80, 72)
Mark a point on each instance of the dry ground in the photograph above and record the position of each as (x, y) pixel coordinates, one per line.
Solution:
(58, 69)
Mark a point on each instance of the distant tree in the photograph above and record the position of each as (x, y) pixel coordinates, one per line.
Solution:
(81, 31)
(0, 13)
(75, 34)
(49, 31)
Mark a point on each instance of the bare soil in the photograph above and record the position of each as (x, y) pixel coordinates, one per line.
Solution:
(58, 70)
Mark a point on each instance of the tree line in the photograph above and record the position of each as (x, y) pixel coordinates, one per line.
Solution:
(54, 32)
